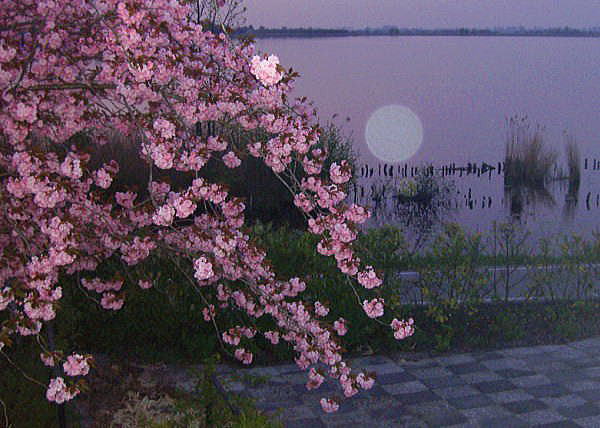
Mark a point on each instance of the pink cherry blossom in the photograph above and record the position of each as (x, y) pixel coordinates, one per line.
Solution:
(244, 356)
(164, 215)
(403, 329)
(47, 359)
(145, 284)
(315, 379)
(203, 269)
(265, 70)
(103, 179)
(140, 72)
(329, 405)
(231, 160)
(340, 327)
(340, 173)
(111, 301)
(58, 392)
(76, 365)
(373, 308)
(365, 382)
(368, 278)
(320, 309)
(165, 128)
(208, 313)
(272, 336)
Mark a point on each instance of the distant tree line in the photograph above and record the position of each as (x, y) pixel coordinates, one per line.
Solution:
(262, 32)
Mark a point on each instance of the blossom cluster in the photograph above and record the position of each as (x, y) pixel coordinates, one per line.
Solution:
(142, 68)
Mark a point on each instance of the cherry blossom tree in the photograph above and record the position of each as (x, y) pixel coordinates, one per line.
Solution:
(142, 68)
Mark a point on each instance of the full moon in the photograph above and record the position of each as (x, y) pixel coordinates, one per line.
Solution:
(394, 133)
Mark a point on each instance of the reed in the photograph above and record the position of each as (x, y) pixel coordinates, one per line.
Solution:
(528, 162)
(573, 160)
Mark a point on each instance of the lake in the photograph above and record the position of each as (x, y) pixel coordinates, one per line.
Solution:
(448, 100)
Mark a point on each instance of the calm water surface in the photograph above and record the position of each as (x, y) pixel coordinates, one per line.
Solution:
(463, 89)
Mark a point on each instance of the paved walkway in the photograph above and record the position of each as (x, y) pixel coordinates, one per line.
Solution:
(529, 386)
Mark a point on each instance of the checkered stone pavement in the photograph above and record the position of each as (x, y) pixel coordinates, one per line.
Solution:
(556, 385)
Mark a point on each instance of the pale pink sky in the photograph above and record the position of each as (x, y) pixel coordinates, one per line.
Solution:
(423, 13)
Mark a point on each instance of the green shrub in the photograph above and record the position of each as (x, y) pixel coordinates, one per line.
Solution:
(455, 281)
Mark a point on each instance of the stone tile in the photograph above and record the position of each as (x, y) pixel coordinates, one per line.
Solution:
(477, 377)
(275, 406)
(407, 421)
(397, 377)
(404, 387)
(567, 375)
(453, 360)
(456, 391)
(561, 424)
(551, 386)
(569, 353)
(371, 360)
(265, 371)
(503, 422)
(443, 382)
(521, 351)
(582, 385)
(305, 423)
(279, 393)
(297, 378)
(392, 412)
(366, 403)
(550, 390)
(512, 373)
(588, 345)
(586, 362)
(495, 386)
(563, 401)
(582, 411)
(540, 417)
(527, 381)
(505, 363)
(539, 358)
(547, 367)
(526, 406)
(431, 372)
(592, 372)
(489, 412)
(467, 368)
(297, 412)
(353, 418)
(470, 402)
(417, 397)
(438, 414)
(592, 395)
(485, 356)
(289, 369)
(421, 364)
(377, 392)
(553, 349)
(328, 387)
(231, 386)
(591, 422)
(510, 396)
(380, 369)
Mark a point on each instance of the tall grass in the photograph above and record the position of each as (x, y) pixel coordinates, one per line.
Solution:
(528, 162)
(574, 177)
(573, 160)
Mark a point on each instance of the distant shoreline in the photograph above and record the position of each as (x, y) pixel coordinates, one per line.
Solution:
(273, 33)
